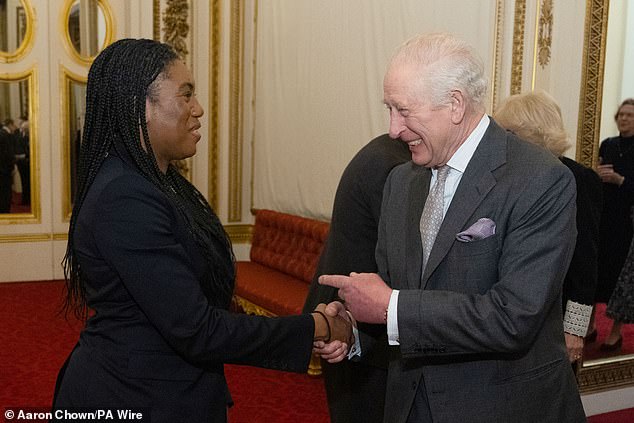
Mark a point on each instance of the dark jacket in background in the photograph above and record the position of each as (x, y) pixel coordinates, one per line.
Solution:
(356, 391)
(581, 280)
(616, 222)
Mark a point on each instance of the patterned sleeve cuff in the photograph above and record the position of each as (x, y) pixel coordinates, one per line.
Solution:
(577, 318)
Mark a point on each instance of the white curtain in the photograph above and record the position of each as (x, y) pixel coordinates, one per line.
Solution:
(318, 87)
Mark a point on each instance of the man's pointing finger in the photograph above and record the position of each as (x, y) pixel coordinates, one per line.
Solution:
(336, 281)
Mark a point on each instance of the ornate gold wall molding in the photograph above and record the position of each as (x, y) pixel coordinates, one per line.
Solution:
(156, 20)
(214, 105)
(240, 234)
(25, 238)
(4, 239)
(606, 374)
(236, 78)
(497, 53)
(591, 95)
(519, 24)
(544, 37)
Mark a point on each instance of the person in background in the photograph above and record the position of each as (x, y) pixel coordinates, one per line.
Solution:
(150, 257)
(7, 164)
(536, 117)
(356, 390)
(22, 153)
(617, 172)
(475, 237)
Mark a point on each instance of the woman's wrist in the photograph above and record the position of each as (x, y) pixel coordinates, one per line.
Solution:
(322, 329)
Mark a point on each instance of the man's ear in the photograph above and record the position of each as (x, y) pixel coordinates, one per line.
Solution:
(457, 106)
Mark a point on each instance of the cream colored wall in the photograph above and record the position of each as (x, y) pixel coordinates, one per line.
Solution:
(318, 88)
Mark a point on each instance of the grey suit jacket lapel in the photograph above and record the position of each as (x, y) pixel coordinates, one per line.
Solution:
(476, 182)
(418, 189)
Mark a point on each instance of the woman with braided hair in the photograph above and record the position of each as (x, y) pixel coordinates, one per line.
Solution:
(150, 259)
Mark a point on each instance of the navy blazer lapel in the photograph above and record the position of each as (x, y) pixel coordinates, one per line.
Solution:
(418, 190)
(476, 182)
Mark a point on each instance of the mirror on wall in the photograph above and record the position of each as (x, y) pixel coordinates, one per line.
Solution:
(16, 21)
(603, 369)
(74, 111)
(88, 28)
(16, 147)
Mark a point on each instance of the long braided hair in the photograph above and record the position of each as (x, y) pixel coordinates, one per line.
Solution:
(120, 79)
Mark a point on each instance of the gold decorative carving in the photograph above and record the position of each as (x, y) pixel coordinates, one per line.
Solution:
(249, 308)
(176, 26)
(606, 374)
(214, 99)
(518, 46)
(240, 234)
(544, 39)
(593, 62)
(236, 78)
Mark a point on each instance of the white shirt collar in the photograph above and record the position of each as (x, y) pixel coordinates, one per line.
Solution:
(462, 156)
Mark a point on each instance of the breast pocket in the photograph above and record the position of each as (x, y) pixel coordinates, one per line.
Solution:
(472, 266)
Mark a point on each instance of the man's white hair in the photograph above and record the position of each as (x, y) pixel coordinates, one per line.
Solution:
(443, 63)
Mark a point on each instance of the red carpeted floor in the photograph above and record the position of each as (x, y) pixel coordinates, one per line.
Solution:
(604, 324)
(35, 341)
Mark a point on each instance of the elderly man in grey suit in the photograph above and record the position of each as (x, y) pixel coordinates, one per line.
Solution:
(475, 237)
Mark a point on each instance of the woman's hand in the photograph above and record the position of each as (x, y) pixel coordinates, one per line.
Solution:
(609, 176)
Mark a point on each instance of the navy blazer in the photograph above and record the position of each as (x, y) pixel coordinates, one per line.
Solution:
(154, 341)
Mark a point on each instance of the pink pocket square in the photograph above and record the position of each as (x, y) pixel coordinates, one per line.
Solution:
(483, 228)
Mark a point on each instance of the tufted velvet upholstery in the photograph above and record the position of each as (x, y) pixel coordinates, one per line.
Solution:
(284, 255)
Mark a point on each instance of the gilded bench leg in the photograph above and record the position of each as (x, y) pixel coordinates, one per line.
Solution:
(314, 367)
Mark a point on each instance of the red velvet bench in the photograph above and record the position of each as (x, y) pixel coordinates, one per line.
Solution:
(284, 253)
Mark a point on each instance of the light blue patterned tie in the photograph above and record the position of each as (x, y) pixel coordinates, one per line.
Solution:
(432, 216)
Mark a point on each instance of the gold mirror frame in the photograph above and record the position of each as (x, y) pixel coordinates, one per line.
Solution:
(67, 80)
(68, 44)
(618, 371)
(34, 215)
(27, 42)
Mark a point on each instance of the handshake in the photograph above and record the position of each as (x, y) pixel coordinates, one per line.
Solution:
(333, 331)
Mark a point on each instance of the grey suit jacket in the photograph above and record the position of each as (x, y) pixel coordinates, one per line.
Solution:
(483, 326)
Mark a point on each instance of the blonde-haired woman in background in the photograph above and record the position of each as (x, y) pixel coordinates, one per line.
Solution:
(536, 117)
